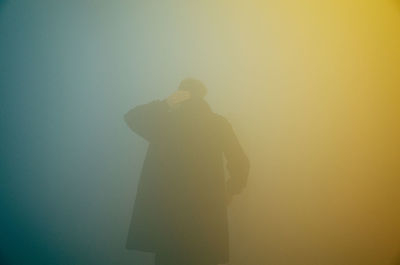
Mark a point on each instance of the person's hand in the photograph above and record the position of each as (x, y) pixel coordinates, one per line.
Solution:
(177, 97)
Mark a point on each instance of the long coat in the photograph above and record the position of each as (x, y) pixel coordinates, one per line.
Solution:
(180, 205)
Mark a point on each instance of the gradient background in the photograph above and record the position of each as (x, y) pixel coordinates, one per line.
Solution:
(312, 89)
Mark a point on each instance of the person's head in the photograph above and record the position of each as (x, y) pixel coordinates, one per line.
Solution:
(196, 88)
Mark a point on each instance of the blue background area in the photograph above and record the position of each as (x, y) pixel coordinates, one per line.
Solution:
(69, 165)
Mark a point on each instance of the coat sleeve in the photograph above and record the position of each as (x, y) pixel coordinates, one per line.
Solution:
(148, 120)
(238, 164)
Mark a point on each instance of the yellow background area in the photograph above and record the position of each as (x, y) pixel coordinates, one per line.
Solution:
(321, 123)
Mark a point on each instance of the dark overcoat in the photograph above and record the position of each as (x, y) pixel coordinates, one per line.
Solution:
(180, 204)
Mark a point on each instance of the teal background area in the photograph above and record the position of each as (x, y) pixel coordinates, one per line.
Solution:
(69, 165)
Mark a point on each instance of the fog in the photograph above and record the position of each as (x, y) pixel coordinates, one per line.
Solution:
(311, 88)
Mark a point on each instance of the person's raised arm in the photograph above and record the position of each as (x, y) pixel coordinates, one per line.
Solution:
(150, 120)
(147, 120)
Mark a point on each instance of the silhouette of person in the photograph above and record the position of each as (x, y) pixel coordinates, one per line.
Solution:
(180, 210)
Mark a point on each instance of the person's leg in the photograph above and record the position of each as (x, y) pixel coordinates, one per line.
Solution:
(169, 259)
(199, 263)
(197, 260)
(166, 259)
(160, 259)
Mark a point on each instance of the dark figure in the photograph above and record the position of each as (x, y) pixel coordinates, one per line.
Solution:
(180, 210)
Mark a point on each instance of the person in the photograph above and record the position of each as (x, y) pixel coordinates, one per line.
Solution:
(180, 210)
